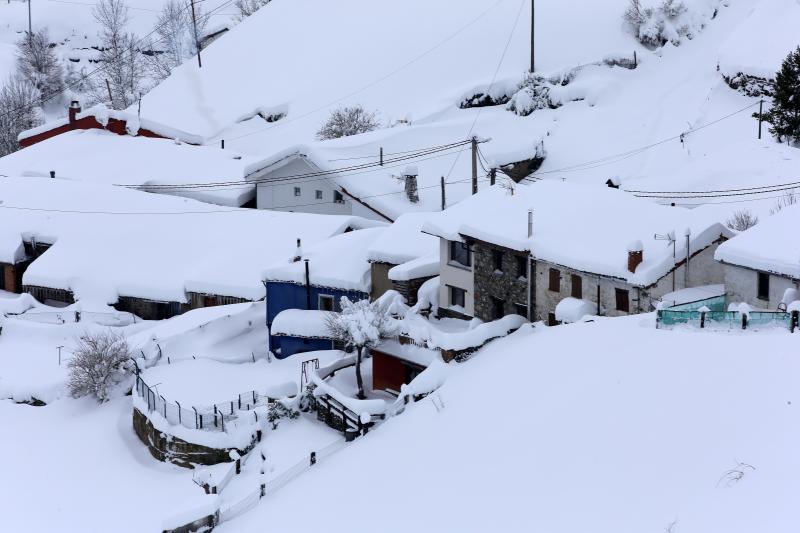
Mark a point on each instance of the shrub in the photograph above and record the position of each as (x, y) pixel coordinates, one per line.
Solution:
(98, 364)
(277, 411)
(742, 220)
(670, 21)
(346, 121)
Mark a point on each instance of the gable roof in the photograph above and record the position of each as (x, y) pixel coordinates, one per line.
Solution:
(586, 228)
(772, 245)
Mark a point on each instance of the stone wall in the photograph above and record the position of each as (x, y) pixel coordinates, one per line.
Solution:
(379, 273)
(505, 284)
(741, 285)
(171, 449)
(410, 288)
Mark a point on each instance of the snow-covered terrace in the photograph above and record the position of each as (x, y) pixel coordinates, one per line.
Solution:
(98, 156)
(771, 245)
(586, 228)
(112, 242)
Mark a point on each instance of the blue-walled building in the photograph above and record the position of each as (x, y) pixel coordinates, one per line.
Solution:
(336, 267)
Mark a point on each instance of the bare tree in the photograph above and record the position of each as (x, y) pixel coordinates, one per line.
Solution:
(248, 7)
(346, 121)
(742, 220)
(19, 111)
(361, 325)
(37, 63)
(176, 33)
(98, 363)
(121, 59)
(785, 201)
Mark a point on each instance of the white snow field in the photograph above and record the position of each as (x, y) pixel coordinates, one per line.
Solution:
(604, 426)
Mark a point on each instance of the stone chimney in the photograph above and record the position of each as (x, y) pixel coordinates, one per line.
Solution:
(635, 255)
(74, 109)
(410, 176)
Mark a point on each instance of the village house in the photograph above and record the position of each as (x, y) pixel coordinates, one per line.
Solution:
(538, 245)
(145, 163)
(403, 258)
(762, 263)
(315, 280)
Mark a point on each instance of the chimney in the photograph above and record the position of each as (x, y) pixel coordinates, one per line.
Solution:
(74, 109)
(410, 176)
(635, 255)
(530, 223)
(298, 253)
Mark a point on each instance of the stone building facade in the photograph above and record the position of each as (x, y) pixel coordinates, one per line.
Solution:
(501, 282)
(763, 290)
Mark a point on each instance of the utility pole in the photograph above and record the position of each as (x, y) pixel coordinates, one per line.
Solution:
(533, 35)
(110, 98)
(30, 27)
(492, 176)
(196, 40)
(474, 165)
(444, 201)
(59, 354)
(760, 115)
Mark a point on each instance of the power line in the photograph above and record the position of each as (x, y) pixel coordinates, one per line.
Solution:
(797, 183)
(787, 188)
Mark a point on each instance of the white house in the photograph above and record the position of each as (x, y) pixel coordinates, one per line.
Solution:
(763, 262)
(524, 252)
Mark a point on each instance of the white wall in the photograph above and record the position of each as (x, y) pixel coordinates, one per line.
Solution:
(741, 285)
(455, 276)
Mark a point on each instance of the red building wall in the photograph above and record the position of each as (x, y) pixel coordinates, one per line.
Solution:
(87, 123)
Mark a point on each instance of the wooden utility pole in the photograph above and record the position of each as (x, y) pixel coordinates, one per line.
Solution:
(196, 40)
(110, 98)
(30, 27)
(492, 176)
(533, 35)
(444, 200)
(474, 165)
(760, 115)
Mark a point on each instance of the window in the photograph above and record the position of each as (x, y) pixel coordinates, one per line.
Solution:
(326, 302)
(458, 297)
(522, 266)
(577, 286)
(497, 260)
(763, 286)
(498, 308)
(337, 197)
(555, 280)
(622, 300)
(297, 191)
(521, 310)
(460, 253)
(318, 194)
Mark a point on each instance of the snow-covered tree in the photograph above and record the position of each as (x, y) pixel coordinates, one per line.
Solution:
(346, 121)
(121, 60)
(19, 111)
(784, 115)
(98, 364)
(361, 325)
(248, 7)
(176, 37)
(37, 63)
(668, 21)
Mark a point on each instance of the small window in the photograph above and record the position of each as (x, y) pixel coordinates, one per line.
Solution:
(622, 300)
(577, 286)
(297, 191)
(337, 197)
(460, 253)
(521, 310)
(497, 260)
(318, 194)
(555, 280)
(458, 297)
(498, 308)
(763, 286)
(522, 266)
(326, 302)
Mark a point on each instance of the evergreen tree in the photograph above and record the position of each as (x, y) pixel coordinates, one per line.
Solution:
(785, 112)
(38, 64)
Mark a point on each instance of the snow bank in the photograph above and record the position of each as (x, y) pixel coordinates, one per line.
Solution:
(571, 309)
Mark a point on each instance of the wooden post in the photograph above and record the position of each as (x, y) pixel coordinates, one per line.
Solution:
(635, 60)
(444, 200)
(760, 115)
(110, 98)
(492, 176)
(222, 143)
(196, 41)
(744, 320)
(381, 156)
(474, 165)
(30, 27)
(312, 459)
(533, 35)
(702, 319)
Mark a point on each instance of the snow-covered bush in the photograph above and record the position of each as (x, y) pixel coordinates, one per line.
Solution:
(361, 325)
(742, 220)
(534, 94)
(308, 402)
(19, 111)
(669, 21)
(99, 363)
(346, 121)
(784, 115)
(38, 65)
(277, 411)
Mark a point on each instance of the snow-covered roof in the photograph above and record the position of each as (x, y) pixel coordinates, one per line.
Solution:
(133, 121)
(581, 227)
(404, 241)
(105, 247)
(309, 324)
(339, 262)
(771, 245)
(99, 156)
(423, 267)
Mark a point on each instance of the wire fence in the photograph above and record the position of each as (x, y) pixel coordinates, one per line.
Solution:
(70, 317)
(668, 318)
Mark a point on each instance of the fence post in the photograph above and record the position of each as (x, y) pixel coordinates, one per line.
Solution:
(215, 416)
(795, 321)
(195, 418)
(238, 466)
(165, 407)
(702, 319)
(313, 459)
(179, 412)
(744, 320)
(222, 420)
(231, 407)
